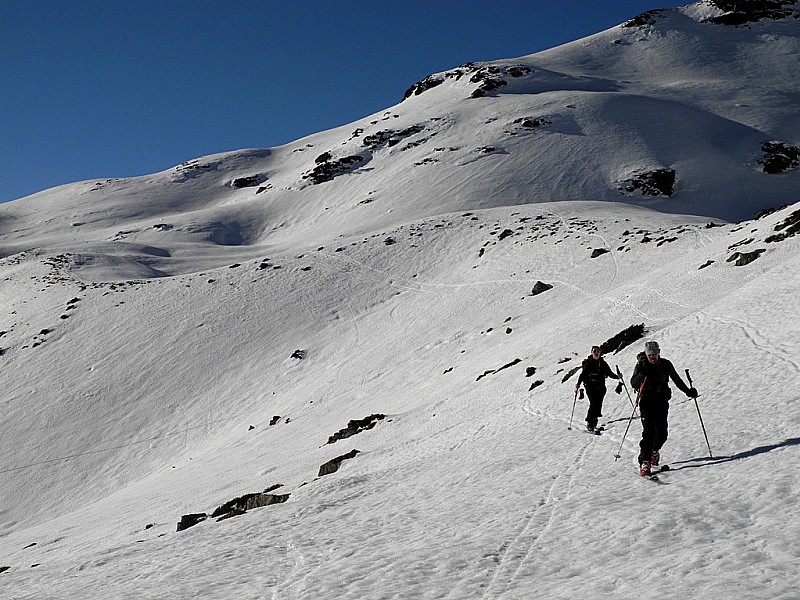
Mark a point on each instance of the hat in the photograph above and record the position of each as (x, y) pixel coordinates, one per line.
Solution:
(651, 348)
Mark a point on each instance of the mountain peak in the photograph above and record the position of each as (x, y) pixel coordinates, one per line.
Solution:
(672, 111)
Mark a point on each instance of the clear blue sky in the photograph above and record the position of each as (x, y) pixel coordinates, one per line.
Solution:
(94, 89)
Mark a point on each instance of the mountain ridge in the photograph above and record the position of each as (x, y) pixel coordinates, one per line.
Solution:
(653, 114)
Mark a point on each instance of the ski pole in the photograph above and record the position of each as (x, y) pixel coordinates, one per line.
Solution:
(625, 387)
(574, 402)
(697, 406)
(638, 396)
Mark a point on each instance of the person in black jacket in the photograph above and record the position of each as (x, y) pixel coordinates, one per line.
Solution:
(593, 377)
(654, 372)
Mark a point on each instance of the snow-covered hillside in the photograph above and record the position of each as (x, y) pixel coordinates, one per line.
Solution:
(173, 342)
(669, 111)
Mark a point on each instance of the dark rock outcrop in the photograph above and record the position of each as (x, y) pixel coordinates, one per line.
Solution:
(390, 137)
(355, 427)
(488, 77)
(333, 465)
(535, 384)
(644, 19)
(240, 505)
(660, 182)
(251, 181)
(191, 520)
(532, 122)
(328, 170)
(540, 287)
(739, 12)
(516, 361)
(623, 339)
(779, 157)
(788, 228)
(740, 259)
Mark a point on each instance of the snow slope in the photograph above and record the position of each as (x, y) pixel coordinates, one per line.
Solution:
(150, 331)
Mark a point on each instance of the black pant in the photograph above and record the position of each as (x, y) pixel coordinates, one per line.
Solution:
(596, 395)
(654, 428)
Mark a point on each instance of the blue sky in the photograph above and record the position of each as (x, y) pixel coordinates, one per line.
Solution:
(115, 88)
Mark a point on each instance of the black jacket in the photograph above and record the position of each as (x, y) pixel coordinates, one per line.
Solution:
(656, 389)
(594, 373)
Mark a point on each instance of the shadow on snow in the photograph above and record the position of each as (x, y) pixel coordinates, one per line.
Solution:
(694, 463)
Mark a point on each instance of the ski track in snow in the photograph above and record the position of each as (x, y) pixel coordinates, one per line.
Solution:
(760, 342)
(532, 530)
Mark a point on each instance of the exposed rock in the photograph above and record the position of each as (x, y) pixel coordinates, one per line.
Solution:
(4, 569)
(623, 339)
(299, 354)
(433, 81)
(426, 84)
(519, 71)
(599, 252)
(660, 182)
(540, 287)
(779, 157)
(767, 212)
(516, 361)
(741, 259)
(644, 19)
(532, 122)
(330, 169)
(355, 427)
(791, 225)
(239, 506)
(191, 520)
(535, 384)
(390, 137)
(488, 84)
(274, 420)
(739, 12)
(251, 181)
(570, 373)
(333, 465)
(489, 78)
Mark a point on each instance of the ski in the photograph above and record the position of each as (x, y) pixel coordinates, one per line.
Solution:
(653, 476)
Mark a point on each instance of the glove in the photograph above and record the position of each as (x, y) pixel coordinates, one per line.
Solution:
(692, 393)
(619, 388)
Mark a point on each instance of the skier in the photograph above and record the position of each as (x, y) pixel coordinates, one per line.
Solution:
(654, 372)
(593, 377)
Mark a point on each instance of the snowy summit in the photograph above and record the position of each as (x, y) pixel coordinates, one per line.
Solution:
(346, 367)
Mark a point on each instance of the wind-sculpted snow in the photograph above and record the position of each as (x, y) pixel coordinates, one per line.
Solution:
(155, 402)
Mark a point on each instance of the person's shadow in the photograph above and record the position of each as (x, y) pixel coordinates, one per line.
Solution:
(694, 463)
